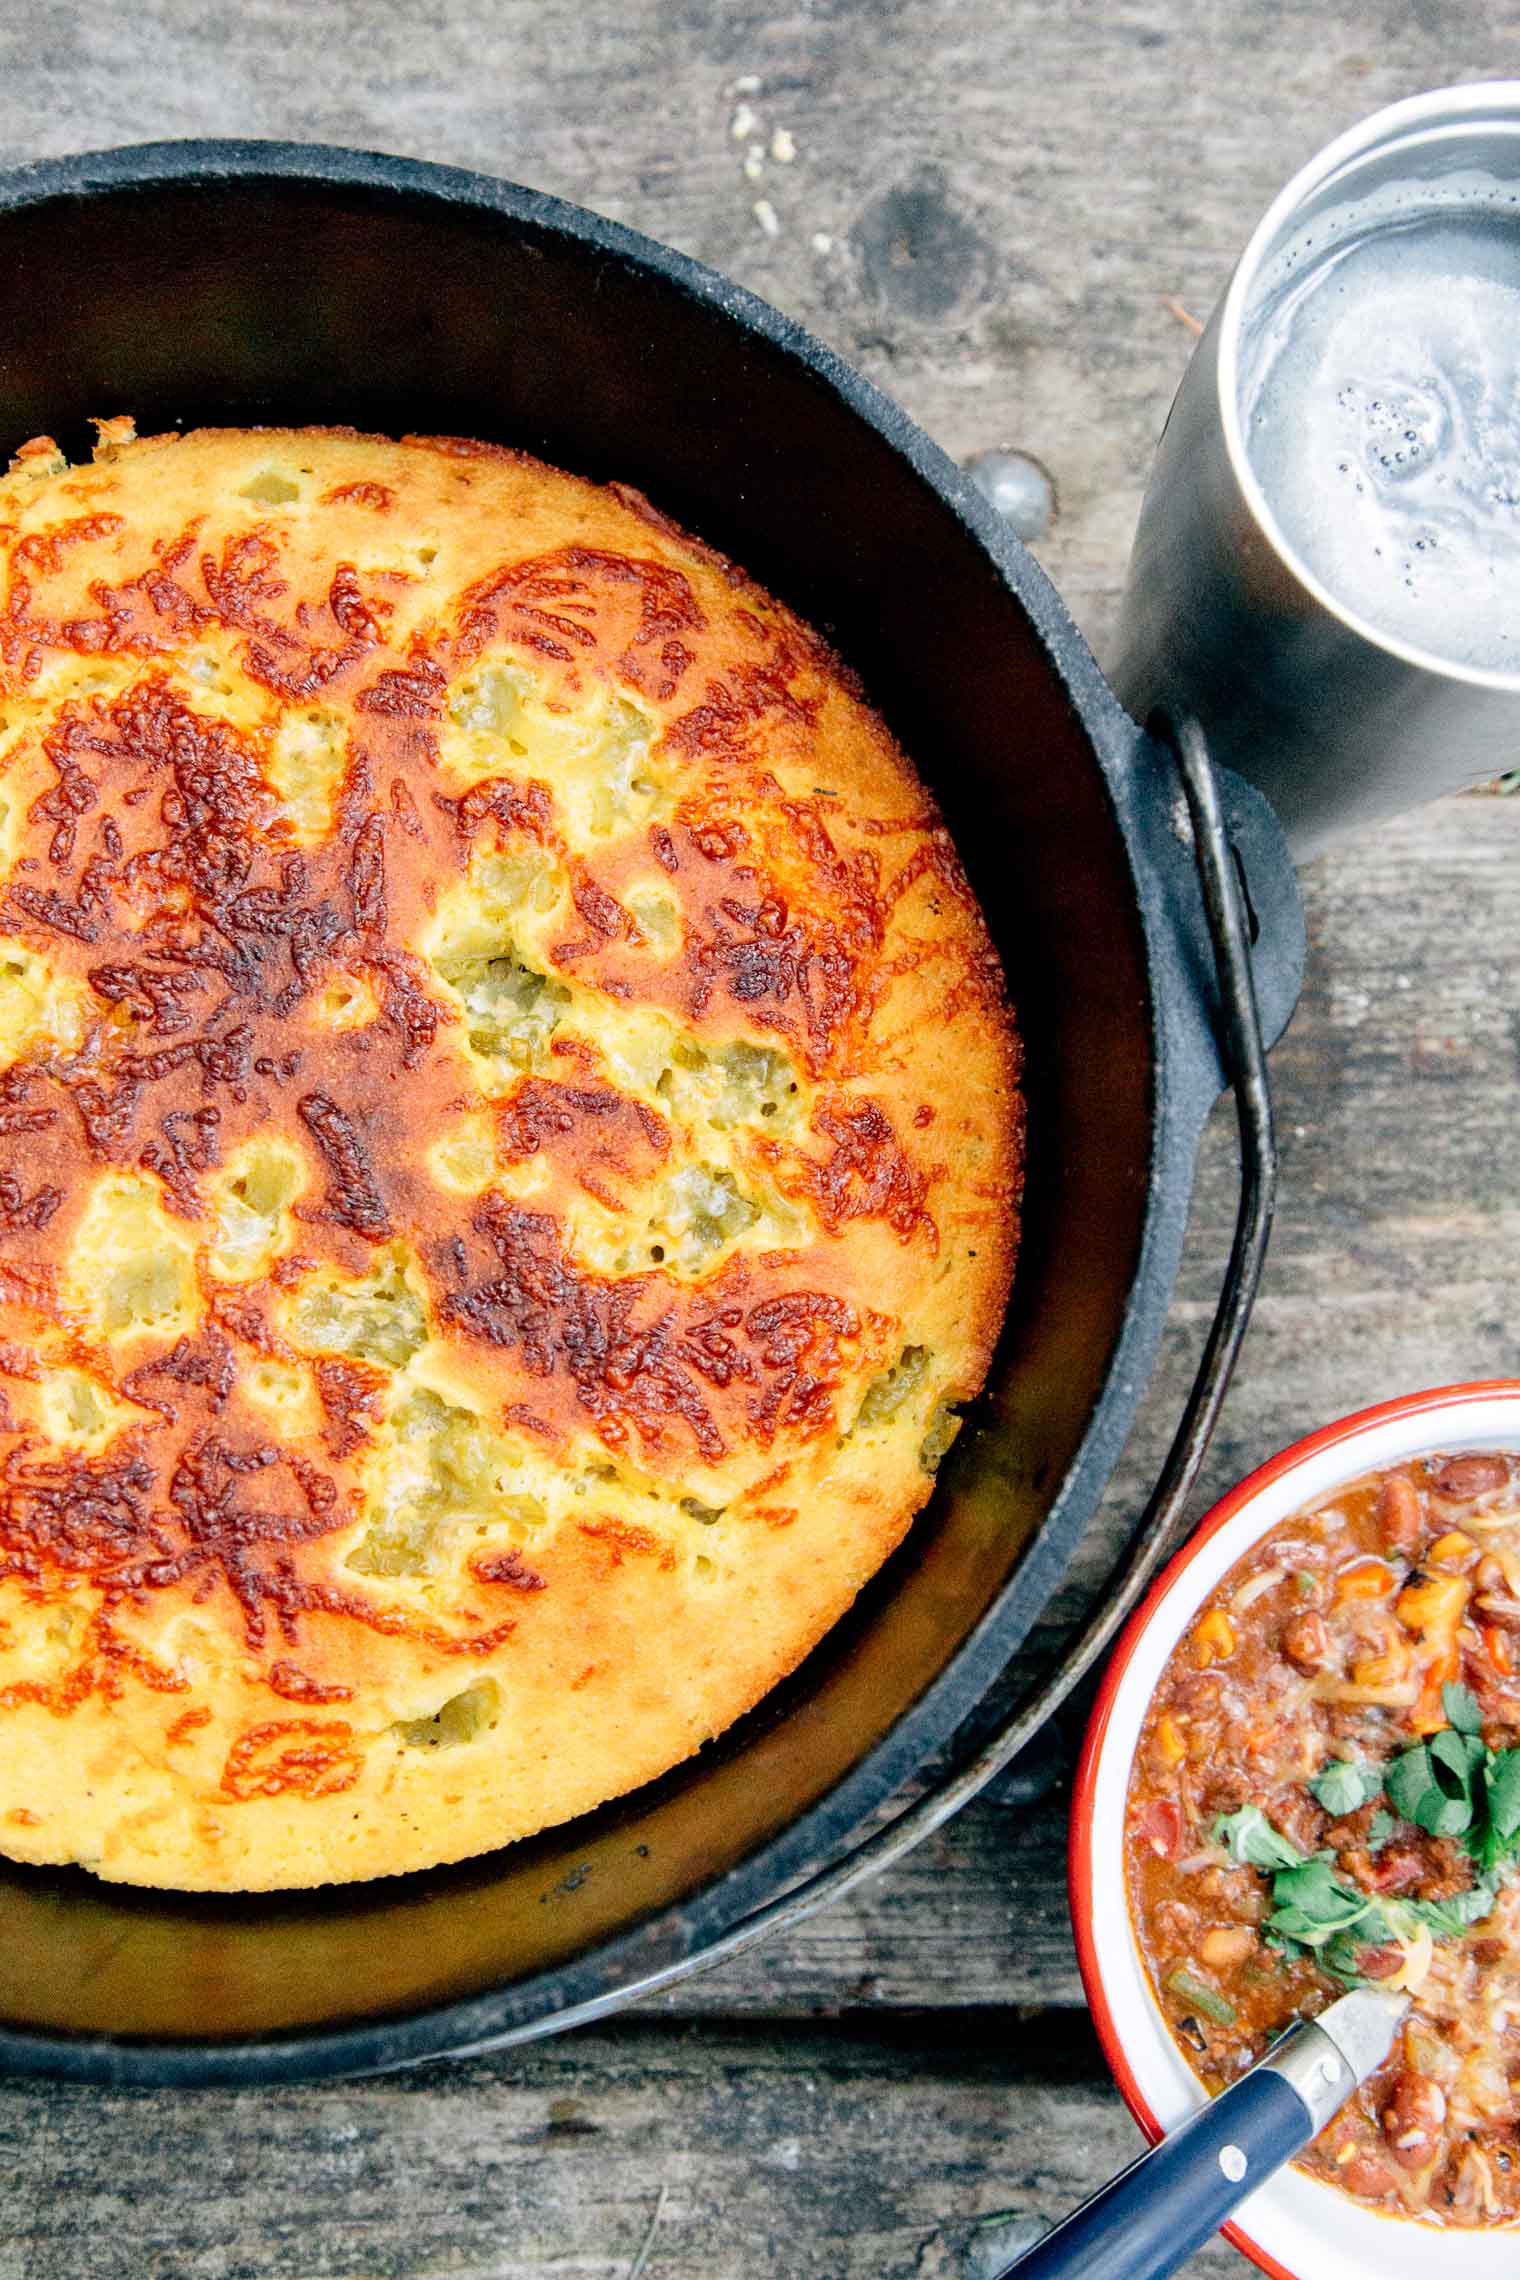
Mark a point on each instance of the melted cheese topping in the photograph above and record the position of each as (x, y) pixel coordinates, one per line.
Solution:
(508, 1151)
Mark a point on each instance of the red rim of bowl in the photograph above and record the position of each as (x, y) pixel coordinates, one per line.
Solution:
(1079, 1854)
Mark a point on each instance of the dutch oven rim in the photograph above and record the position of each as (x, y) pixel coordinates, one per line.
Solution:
(1139, 785)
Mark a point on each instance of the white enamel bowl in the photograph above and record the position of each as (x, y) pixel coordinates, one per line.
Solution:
(1293, 2227)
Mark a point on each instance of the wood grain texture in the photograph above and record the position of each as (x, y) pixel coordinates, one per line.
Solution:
(990, 205)
(906, 2152)
(1010, 191)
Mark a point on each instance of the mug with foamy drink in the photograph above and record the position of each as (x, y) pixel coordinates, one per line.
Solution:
(1327, 569)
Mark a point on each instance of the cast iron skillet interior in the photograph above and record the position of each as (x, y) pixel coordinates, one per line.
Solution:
(193, 283)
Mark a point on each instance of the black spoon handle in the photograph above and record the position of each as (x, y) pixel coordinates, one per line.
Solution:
(1151, 2217)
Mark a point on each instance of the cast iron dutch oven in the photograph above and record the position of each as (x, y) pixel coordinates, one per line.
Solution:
(1135, 898)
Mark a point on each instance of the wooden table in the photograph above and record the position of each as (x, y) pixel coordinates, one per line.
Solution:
(1000, 210)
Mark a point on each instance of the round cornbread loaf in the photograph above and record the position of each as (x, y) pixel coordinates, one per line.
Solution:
(509, 1151)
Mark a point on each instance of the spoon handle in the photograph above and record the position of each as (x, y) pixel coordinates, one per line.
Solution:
(1151, 2217)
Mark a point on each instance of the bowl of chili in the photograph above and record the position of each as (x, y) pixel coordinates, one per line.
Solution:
(1302, 1773)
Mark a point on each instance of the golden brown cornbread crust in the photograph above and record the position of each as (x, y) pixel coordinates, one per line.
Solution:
(509, 1151)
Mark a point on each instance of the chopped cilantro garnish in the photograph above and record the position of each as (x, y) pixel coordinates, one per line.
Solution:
(1342, 1786)
(1311, 1903)
(1321, 1915)
(1448, 1919)
(1436, 1784)
(1451, 1784)
(1501, 1784)
(1379, 1829)
(1495, 1839)
(1254, 1842)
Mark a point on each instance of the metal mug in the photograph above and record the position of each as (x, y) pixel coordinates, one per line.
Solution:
(1339, 722)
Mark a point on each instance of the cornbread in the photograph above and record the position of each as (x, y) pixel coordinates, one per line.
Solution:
(509, 1151)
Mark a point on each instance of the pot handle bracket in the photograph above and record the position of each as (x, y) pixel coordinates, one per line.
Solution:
(1197, 822)
(1237, 1031)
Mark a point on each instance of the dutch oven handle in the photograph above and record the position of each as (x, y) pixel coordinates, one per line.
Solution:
(1244, 1058)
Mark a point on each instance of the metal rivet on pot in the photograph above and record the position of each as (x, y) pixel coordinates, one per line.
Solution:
(1022, 491)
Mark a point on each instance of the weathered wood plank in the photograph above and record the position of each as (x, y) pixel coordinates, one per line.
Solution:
(1009, 192)
(988, 209)
(976, 1916)
(688, 2156)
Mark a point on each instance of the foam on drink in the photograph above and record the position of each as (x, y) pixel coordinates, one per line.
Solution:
(1380, 405)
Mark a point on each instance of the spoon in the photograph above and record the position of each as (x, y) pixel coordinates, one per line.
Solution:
(1151, 2217)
